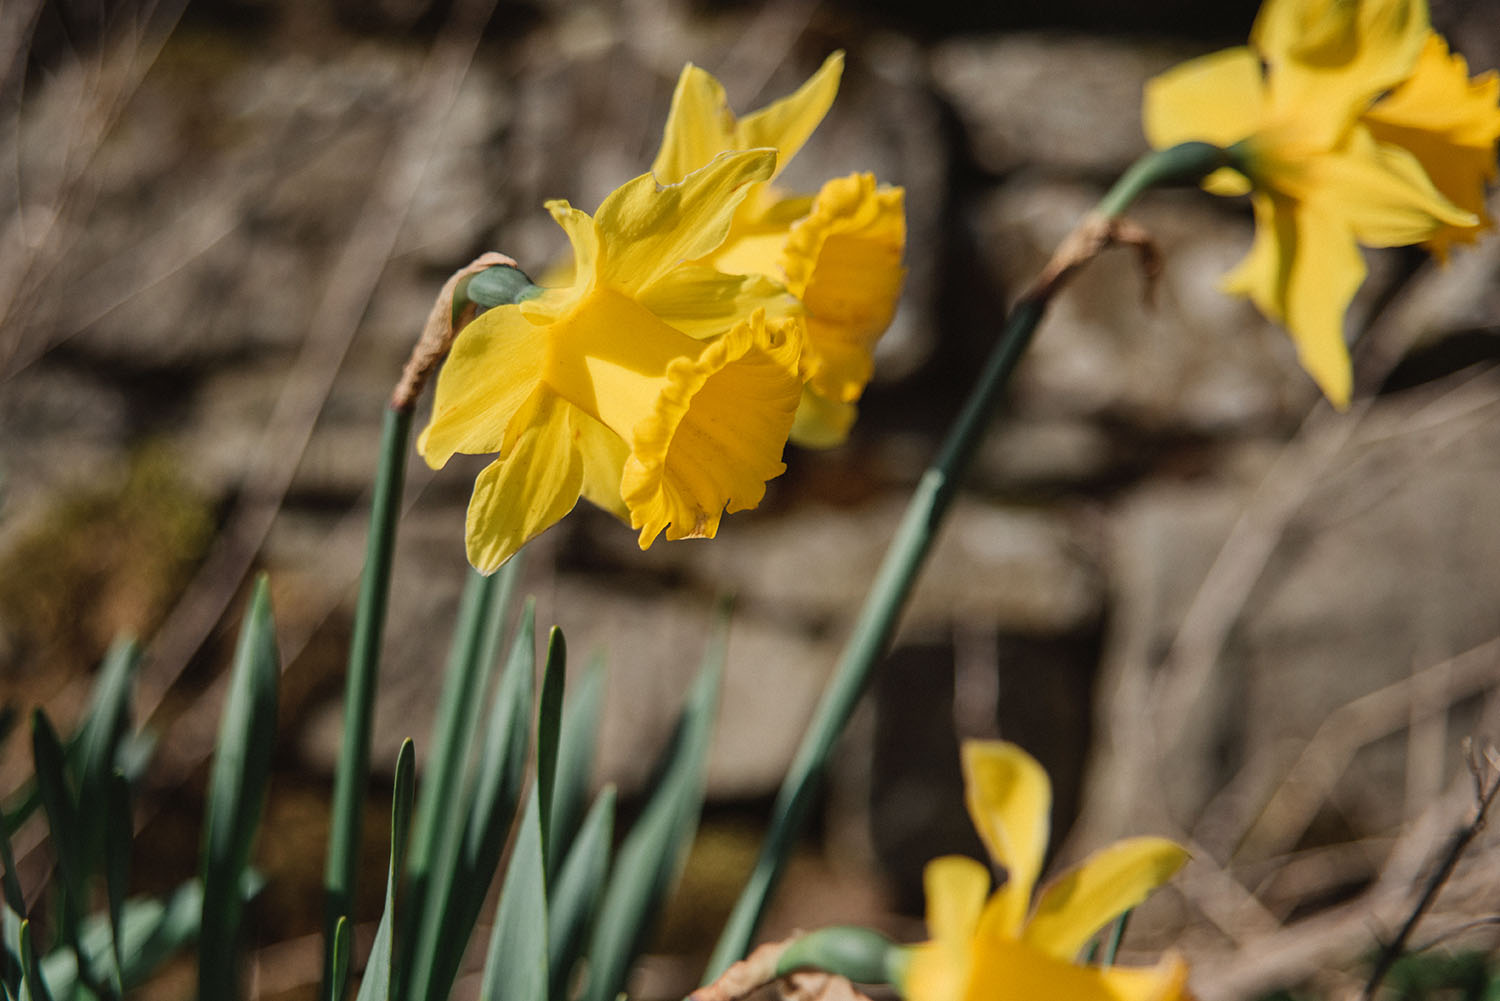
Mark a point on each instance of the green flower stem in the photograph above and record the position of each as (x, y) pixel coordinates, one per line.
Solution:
(353, 772)
(491, 287)
(1185, 163)
(909, 548)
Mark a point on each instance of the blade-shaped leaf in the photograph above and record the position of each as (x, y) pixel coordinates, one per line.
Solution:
(438, 824)
(153, 931)
(97, 744)
(118, 834)
(9, 937)
(656, 848)
(574, 895)
(578, 739)
(59, 803)
(351, 776)
(338, 972)
(33, 985)
(376, 985)
(515, 968)
(236, 795)
(493, 796)
(548, 727)
(150, 932)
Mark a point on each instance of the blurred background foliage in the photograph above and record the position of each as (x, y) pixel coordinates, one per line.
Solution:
(1212, 608)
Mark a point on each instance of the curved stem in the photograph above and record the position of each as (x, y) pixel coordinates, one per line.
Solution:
(919, 527)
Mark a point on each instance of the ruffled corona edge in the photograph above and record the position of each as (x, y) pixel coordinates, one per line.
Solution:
(843, 261)
(717, 432)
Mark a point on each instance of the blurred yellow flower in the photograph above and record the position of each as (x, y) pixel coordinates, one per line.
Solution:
(1352, 125)
(988, 950)
(663, 391)
(1450, 124)
(839, 251)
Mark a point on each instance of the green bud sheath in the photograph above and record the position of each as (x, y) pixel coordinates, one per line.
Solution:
(861, 955)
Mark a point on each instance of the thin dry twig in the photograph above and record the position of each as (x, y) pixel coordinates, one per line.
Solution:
(759, 969)
(749, 974)
(1092, 236)
(814, 985)
(1486, 777)
(1310, 780)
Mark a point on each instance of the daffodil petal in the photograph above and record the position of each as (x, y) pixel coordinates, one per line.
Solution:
(583, 235)
(1106, 884)
(648, 230)
(1302, 271)
(1329, 61)
(1450, 124)
(491, 370)
(700, 126)
(1008, 970)
(527, 490)
(956, 887)
(603, 453)
(786, 124)
(758, 233)
(704, 302)
(821, 422)
(844, 262)
(936, 971)
(1383, 193)
(717, 432)
(1226, 182)
(1010, 801)
(1217, 99)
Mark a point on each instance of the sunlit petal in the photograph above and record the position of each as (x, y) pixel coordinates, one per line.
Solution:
(527, 490)
(1329, 60)
(491, 370)
(1218, 98)
(1302, 271)
(1450, 124)
(647, 230)
(703, 302)
(700, 126)
(1381, 191)
(821, 422)
(956, 888)
(758, 233)
(1008, 970)
(1097, 891)
(583, 236)
(786, 124)
(1010, 801)
(603, 453)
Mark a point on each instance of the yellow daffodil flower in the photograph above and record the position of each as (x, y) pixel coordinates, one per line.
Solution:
(839, 251)
(989, 949)
(1352, 125)
(1450, 124)
(661, 390)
